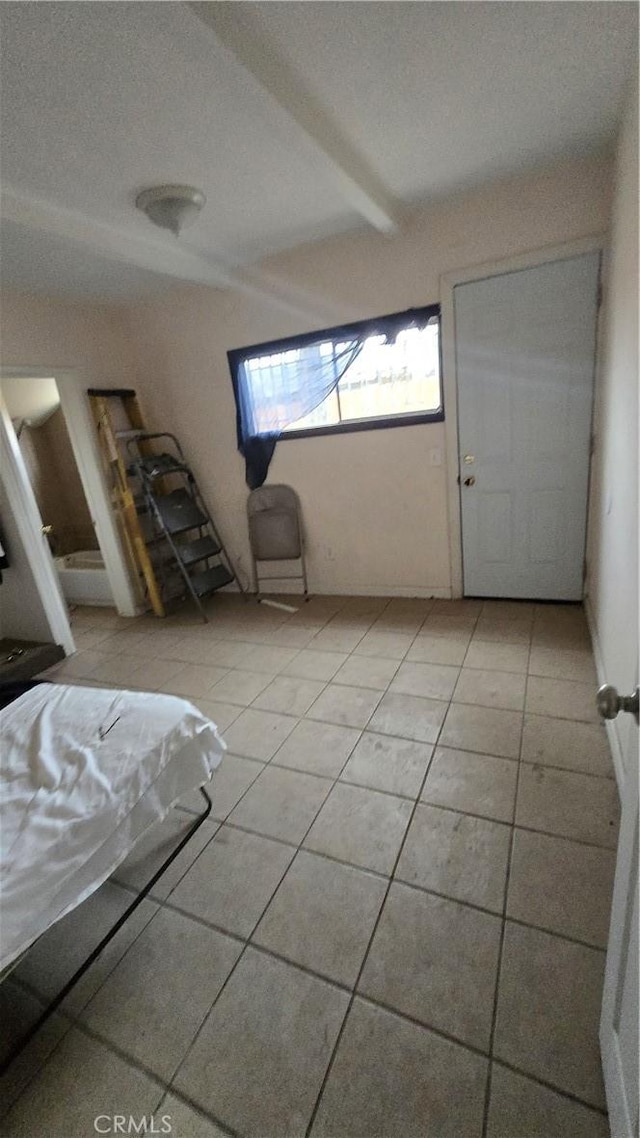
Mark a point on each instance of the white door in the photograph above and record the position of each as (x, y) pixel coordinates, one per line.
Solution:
(525, 350)
(619, 1023)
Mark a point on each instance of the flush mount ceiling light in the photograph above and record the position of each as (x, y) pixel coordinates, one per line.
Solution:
(171, 207)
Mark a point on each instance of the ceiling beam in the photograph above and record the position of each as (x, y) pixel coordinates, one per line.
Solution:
(357, 184)
(165, 256)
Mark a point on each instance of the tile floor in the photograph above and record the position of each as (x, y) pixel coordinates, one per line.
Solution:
(395, 922)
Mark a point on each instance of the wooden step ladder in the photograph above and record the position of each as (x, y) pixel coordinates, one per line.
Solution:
(111, 438)
(169, 533)
(183, 529)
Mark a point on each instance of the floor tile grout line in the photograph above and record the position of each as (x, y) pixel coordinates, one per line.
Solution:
(130, 1060)
(528, 762)
(384, 691)
(225, 821)
(497, 915)
(350, 782)
(204, 1021)
(342, 683)
(193, 1105)
(303, 770)
(390, 880)
(408, 738)
(602, 1111)
(365, 958)
(167, 902)
(306, 849)
(406, 798)
(335, 780)
(567, 770)
(406, 1018)
(76, 1016)
(39, 1065)
(519, 825)
(247, 945)
(213, 822)
(385, 659)
(503, 929)
(279, 671)
(325, 627)
(563, 837)
(120, 958)
(74, 1020)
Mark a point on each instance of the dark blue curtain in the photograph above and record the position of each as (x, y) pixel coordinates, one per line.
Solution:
(276, 390)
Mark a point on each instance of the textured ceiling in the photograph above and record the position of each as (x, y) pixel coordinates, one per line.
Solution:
(101, 99)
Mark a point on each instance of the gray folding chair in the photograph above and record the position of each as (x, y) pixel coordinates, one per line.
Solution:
(275, 532)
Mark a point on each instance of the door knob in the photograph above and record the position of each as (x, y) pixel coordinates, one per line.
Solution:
(470, 481)
(609, 703)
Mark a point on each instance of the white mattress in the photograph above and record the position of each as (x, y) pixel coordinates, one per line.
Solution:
(84, 774)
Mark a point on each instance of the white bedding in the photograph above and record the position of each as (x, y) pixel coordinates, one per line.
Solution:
(84, 773)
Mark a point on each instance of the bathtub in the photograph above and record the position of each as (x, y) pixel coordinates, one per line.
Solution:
(83, 578)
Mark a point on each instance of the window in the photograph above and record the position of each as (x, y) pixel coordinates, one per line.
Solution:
(387, 381)
(376, 373)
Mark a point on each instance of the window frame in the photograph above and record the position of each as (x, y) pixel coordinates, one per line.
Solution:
(343, 332)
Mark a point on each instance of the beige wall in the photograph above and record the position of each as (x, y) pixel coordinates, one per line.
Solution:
(375, 507)
(613, 535)
(47, 332)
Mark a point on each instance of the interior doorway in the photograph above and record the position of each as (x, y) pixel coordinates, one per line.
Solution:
(39, 422)
(36, 570)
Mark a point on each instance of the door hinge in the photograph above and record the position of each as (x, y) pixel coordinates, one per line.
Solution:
(600, 294)
(592, 444)
(584, 570)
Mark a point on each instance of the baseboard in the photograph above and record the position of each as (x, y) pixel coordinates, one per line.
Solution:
(436, 592)
(610, 724)
(364, 591)
(386, 591)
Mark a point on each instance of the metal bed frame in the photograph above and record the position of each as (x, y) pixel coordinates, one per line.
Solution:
(84, 967)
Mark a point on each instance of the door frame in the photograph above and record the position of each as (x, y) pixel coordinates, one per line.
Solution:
(612, 726)
(448, 282)
(29, 525)
(622, 1117)
(72, 387)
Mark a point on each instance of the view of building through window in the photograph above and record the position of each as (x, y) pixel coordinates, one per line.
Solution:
(401, 378)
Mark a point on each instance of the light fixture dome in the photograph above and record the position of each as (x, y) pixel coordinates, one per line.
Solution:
(171, 207)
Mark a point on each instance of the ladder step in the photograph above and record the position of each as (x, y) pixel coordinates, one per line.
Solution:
(210, 580)
(179, 512)
(112, 392)
(156, 465)
(192, 551)
(132, 433)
